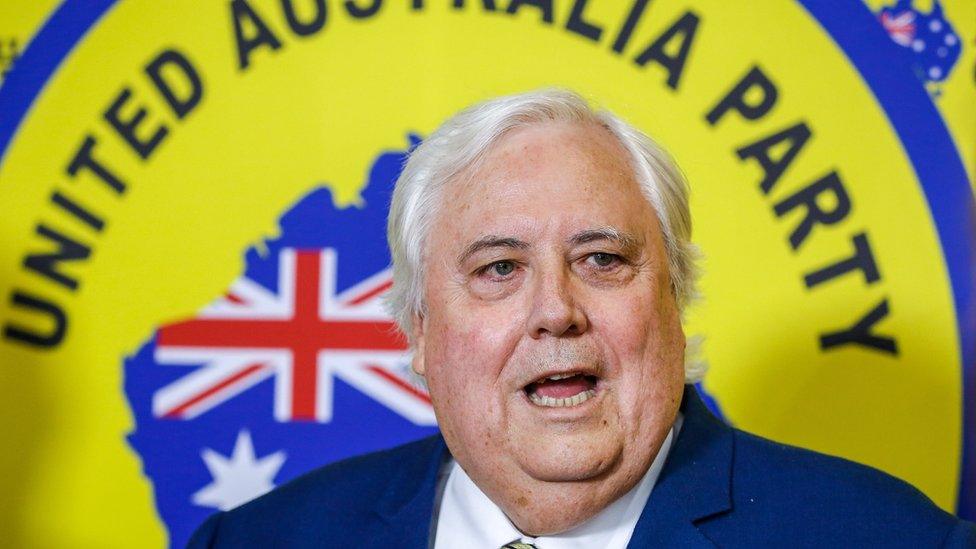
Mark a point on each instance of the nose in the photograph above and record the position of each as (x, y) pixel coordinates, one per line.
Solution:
(555, 311)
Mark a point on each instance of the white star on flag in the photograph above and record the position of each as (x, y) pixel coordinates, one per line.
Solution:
(240, 478)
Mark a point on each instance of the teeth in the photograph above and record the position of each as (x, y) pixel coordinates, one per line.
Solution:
(562, 402)
(557, 377)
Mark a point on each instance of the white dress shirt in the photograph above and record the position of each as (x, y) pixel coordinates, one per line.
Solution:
(467, 518)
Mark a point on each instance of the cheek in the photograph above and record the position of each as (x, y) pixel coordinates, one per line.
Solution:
(649, 346)
(466, 359)
(633, 331)
(464, 329)
(465, 353)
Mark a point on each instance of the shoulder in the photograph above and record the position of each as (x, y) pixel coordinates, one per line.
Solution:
(765, 464)
(789, 491)
(315, 504)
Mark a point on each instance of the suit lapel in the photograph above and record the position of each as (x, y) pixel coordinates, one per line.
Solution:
(694, 484)
(408, 504)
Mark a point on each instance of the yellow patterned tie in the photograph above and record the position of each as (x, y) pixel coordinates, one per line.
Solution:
(518, 545)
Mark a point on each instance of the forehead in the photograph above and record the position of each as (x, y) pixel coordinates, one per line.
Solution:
(567, 173)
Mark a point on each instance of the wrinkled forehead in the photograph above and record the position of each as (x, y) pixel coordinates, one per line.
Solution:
(564, 176)
(538, 141)
(542, 154)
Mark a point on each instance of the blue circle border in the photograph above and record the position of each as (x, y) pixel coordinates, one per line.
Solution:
(886, 68)
(853, 28)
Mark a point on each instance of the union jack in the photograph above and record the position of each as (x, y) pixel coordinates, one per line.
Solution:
(900, 27)
(302, 335)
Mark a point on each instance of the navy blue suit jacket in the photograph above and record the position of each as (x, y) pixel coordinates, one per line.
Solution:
(719, 487)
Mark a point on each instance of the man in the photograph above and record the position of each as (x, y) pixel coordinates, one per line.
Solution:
(542, 257)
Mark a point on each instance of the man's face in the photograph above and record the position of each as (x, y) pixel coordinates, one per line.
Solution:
(552, 346)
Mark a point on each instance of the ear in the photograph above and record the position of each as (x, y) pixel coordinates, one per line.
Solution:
(417, 363)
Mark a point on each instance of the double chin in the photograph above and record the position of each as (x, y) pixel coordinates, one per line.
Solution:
(547, 490)
(566, 457)
(551, 500)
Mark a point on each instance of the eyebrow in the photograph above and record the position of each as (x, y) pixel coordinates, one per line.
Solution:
(491, 241)
(625, 240)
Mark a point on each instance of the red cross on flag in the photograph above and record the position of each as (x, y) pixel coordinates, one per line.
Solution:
(303, 335)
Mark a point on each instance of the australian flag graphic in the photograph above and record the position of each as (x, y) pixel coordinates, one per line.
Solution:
(933, 42)
(295, 366)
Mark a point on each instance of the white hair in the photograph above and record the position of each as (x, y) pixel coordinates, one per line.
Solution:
(464, 139)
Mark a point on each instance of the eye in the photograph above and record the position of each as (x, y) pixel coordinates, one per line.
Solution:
(501, 268)
(601, 259)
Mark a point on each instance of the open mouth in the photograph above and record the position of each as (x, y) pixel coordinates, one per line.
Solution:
(562, 390)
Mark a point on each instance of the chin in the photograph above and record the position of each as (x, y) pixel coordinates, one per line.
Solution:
(570, 466)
